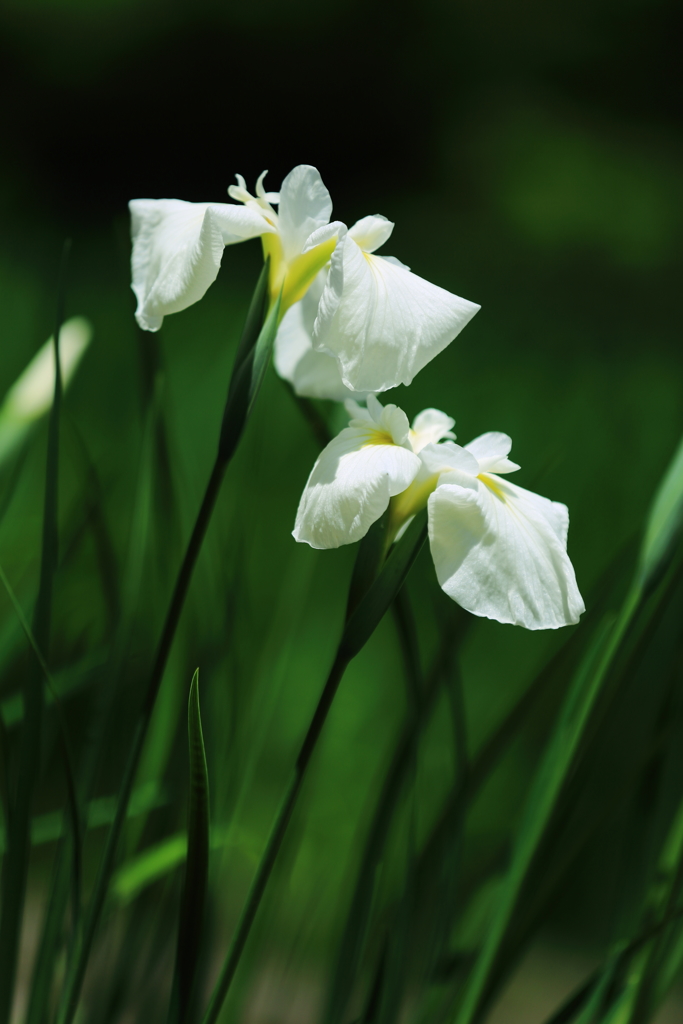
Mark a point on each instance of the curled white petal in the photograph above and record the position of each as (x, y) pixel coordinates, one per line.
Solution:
(335, 229)
(499, 551)
(305, 206)
(382, 322)
(371, 232)
(311, 374)
(430, 426)
(350, 486)
(177, 250)
(491, 451)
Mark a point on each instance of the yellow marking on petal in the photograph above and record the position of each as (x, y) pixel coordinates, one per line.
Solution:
(492, 485)
(303, 270)
(378, 437)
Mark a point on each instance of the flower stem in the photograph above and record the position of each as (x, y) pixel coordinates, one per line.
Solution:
(275, 839)
(376, 593)
(80, 961)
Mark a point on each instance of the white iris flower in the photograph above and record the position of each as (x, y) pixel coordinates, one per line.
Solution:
(499, 550)
(372, 325)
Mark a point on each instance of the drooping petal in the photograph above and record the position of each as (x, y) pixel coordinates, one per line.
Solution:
(491, 451)
(312, 374)
(430, 426)
(499, 552)
(371, 232)
(350, 486)
(381, 321)
(305, 206)
(177, 250)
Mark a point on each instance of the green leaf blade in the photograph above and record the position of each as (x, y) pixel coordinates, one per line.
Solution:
(196, 866)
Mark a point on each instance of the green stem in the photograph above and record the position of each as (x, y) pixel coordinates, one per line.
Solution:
(275, 839)
(75, 978)
(15, 868)
(251, 362)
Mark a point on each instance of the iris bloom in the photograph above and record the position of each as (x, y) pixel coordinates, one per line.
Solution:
(377, 321)
(499, 550)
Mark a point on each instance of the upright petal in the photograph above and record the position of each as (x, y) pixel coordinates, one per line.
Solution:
(451, 458)
(381, 321)
(311, 374)
(177, 250)
(430, 426)
(305, 206)
(371, 232)
(350, 486)
(498, 552)
(491, 451)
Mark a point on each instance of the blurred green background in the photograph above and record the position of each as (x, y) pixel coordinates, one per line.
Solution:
(531, 158)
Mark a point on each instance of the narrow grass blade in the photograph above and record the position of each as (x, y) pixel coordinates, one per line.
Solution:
(50, 941)
(70, 854)
(239, 405)
(664, 522)
(670, 872)
(352, 945)
(196, 866)
(4, 778)
(357, 631)
(148, 866)
(549, 780)
(15, 872)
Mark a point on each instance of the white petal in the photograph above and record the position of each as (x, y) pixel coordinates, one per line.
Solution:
(450, 458)
(430, 426)
(305, 206)
(382, 322)
(350, 486)
(390, 420)
(396, 262)
(491, 451)
(177, 250)
(498, 553)
(312, 374)
(371, 232)
(335, 229)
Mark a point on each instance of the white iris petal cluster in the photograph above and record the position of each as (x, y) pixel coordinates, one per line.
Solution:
(367, 324)
(353, 323)
(499, 550)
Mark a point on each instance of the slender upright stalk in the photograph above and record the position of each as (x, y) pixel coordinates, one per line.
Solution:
(249, 369)
(15, 868)
(362, 618)
(276, 836)
(75, 979)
